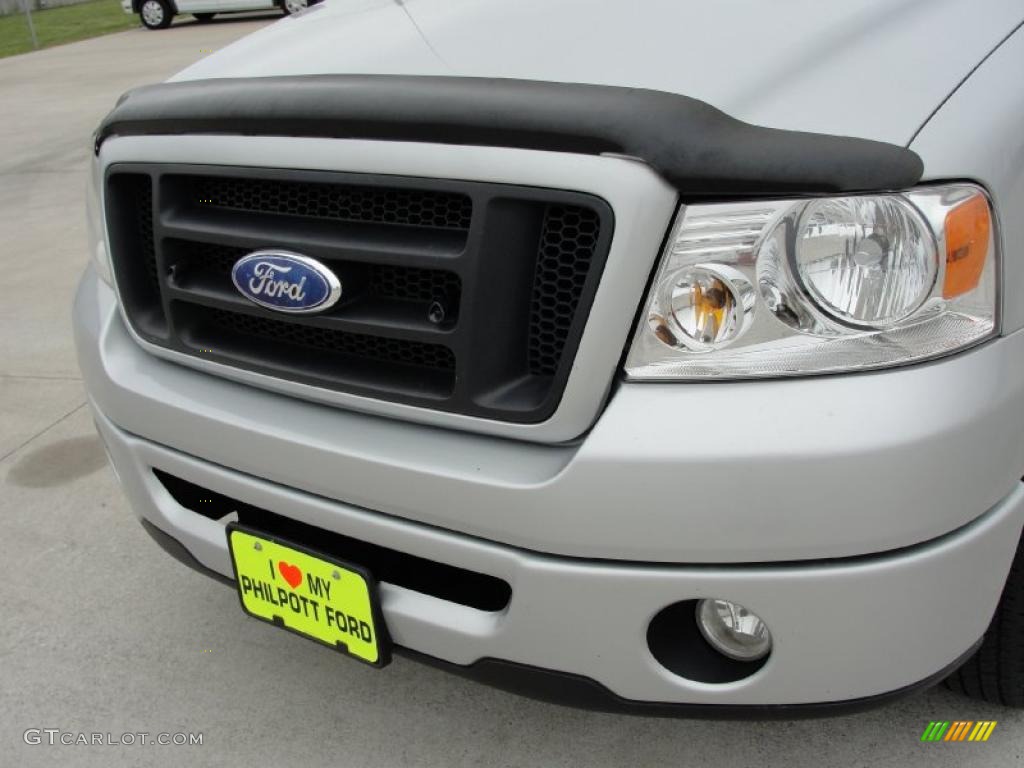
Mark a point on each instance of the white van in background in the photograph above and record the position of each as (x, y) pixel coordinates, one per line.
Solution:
(158, 14)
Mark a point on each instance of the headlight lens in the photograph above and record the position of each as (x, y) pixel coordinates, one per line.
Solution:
(94, 225)
(845, 283)
(865, 260)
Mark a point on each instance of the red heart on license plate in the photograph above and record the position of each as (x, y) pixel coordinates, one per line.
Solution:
(291, 573)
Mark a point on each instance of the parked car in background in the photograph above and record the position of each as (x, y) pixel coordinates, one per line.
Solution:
(158, 14)
(662, 355)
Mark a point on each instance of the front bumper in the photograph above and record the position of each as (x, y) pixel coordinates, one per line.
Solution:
(845, 628)
(842, 629)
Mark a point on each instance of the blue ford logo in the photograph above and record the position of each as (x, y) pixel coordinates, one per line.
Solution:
(286, 282)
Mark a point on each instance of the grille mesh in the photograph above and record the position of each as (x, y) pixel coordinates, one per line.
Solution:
(353, 344)
(376, 205)
(411, 283)
(567, 244)
(217, 259)
(144, 221)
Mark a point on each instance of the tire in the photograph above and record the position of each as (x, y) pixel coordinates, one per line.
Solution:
(202, 18)
(156, 14)
(995, 673)
(294, 6)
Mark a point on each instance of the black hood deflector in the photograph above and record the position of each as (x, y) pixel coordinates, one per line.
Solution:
(700, 150)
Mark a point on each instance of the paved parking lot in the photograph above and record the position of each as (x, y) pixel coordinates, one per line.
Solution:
(102, 632)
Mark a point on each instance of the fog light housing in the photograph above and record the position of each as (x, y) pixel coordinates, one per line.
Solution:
(733, 630)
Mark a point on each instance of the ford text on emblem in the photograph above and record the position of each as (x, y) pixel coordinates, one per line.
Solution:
(286, 282)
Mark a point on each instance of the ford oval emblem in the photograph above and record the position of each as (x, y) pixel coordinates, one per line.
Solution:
(286, 282)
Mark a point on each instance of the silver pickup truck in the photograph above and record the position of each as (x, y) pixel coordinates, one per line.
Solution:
(660, 357)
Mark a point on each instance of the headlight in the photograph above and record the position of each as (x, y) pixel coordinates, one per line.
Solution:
(94, 225)
(788, 287)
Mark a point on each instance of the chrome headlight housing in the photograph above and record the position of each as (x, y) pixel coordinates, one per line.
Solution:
(822, 285)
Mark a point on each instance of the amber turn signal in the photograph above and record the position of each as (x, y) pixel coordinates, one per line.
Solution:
(968, 228)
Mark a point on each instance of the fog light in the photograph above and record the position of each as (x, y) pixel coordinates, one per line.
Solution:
(733, 630)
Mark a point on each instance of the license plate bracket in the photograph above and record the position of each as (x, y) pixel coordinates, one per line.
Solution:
(309, 593)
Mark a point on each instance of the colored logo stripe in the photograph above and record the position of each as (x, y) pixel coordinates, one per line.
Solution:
(982, 730)
(958, 730)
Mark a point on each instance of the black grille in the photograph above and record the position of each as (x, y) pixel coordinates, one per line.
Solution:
(209, 258)
(351, 344)
(568, 241)
(144, 220)
(133, 247)
(459, 296)
(412, 283)
(378, 205)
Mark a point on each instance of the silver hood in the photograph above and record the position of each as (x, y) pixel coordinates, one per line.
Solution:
(870, 68)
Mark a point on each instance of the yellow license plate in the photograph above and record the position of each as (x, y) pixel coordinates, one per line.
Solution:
(331, 602)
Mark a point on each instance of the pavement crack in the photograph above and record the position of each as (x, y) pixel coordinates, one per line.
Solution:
(43, 431)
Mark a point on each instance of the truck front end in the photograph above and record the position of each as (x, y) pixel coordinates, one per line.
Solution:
(603, 395)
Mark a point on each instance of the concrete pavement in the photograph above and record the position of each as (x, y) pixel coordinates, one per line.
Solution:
(101, 632)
